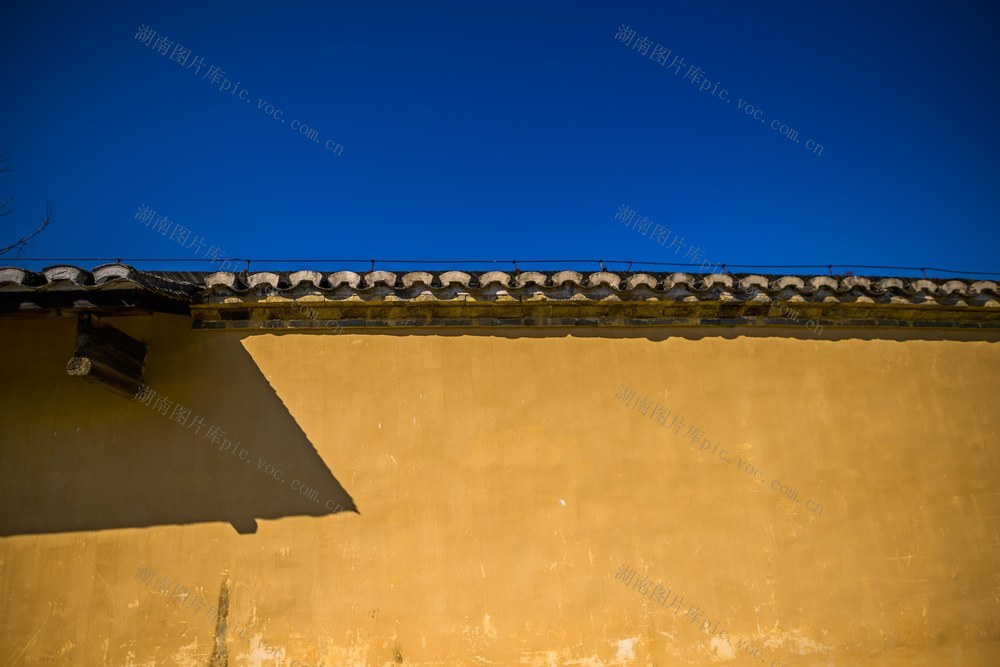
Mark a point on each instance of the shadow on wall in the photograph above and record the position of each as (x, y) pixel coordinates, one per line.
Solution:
(76, 456)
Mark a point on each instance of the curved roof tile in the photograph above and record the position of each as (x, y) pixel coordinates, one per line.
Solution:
(196, 288)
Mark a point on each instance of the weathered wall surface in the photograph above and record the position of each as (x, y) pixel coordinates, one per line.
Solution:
(499, 487)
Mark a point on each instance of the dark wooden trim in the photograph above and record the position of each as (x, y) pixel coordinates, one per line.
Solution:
(124, 300)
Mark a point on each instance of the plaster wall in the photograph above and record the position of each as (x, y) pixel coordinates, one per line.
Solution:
(478, 493)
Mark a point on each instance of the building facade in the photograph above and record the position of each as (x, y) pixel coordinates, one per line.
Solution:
(307, 468)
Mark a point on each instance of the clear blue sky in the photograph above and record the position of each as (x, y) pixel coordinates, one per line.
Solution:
(507, 130)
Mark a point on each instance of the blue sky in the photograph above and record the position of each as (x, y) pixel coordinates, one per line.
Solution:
(505, 130)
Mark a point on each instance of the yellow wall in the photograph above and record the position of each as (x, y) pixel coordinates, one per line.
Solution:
(499, 487)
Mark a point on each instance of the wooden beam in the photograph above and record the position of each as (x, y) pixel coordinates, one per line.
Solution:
(93, 371)
(107, 356)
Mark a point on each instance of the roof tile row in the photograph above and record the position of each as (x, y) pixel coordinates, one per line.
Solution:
(101, 275)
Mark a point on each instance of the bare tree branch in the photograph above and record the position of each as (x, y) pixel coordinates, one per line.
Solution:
(23, 241)
(5, 209)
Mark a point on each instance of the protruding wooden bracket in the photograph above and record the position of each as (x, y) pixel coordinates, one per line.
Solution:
(107, 356)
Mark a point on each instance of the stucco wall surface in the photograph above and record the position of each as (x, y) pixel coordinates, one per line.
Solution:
(499, 497)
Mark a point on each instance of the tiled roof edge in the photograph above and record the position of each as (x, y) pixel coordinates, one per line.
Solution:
(493, 298)
(193, 285)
